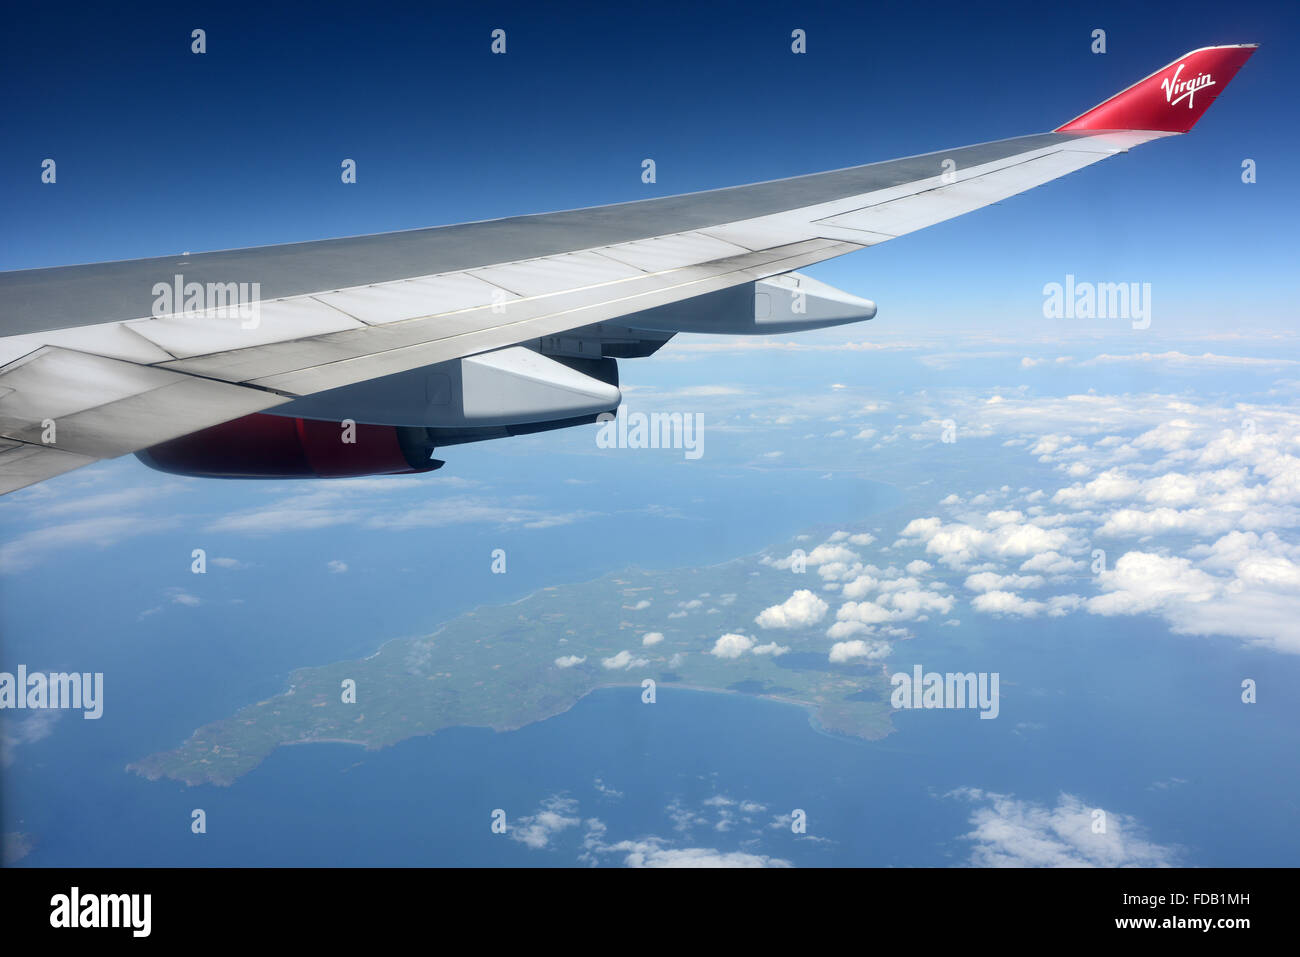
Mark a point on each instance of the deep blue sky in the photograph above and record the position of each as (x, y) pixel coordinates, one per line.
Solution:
(162, 151)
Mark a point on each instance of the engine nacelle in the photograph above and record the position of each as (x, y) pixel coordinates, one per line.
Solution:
(277, 446)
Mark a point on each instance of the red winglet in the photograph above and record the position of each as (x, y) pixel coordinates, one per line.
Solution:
(1173, 98)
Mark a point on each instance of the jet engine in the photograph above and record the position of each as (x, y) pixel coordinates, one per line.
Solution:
(278, 446)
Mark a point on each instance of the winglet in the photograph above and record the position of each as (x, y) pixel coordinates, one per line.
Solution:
(1173, 98)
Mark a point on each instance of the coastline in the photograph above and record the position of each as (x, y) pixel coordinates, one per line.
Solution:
(810, 708)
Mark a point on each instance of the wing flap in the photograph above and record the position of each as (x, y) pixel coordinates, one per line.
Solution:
(503, 323)
(95, 407)
(383, 303)
(23, 464)
(226, 328)
(560, 314)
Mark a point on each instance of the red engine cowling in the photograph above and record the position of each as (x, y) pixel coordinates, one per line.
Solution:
(277, 446)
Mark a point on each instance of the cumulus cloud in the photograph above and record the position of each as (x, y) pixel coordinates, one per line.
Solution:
(863, 612)
(624, 661)
(847, 629)
(800, 610)
(1145, 581)
(843, 652)
(731, 646)
(1171, 473)
(568, 661)
(917, 603)
(1051, 563)
(1007, 603)
(860, 586)
(829, 552)
(558, 816)
(1257, 602)
(992, 581)
(651, 638)
(1012, 833)
(899, 600)
(960, 544)
(537, 830)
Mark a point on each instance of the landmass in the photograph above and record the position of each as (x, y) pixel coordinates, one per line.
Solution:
(506, 666)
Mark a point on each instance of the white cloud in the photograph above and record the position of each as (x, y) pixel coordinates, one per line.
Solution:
(651, 638)
(1144, 581)
(819, 555)
(859, 587)
(801, 610)
(865, 612)
(731, 646)
(568, 661)
(1013, 833)
(30, 548)
(16, 732)
(558, 814)
(1051, 563)
(992, 581)
(960, 544)
(847, 629)
(847, 651)
(916, 602)
(1259, 603)
(1183, 360)
(536, 830)
(379, 504)
(652, 852)
(1006, 603)
(624, 661)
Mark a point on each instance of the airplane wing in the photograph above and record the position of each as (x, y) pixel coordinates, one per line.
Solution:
(104, 359)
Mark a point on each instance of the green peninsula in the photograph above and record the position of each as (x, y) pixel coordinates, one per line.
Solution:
(505, 666)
